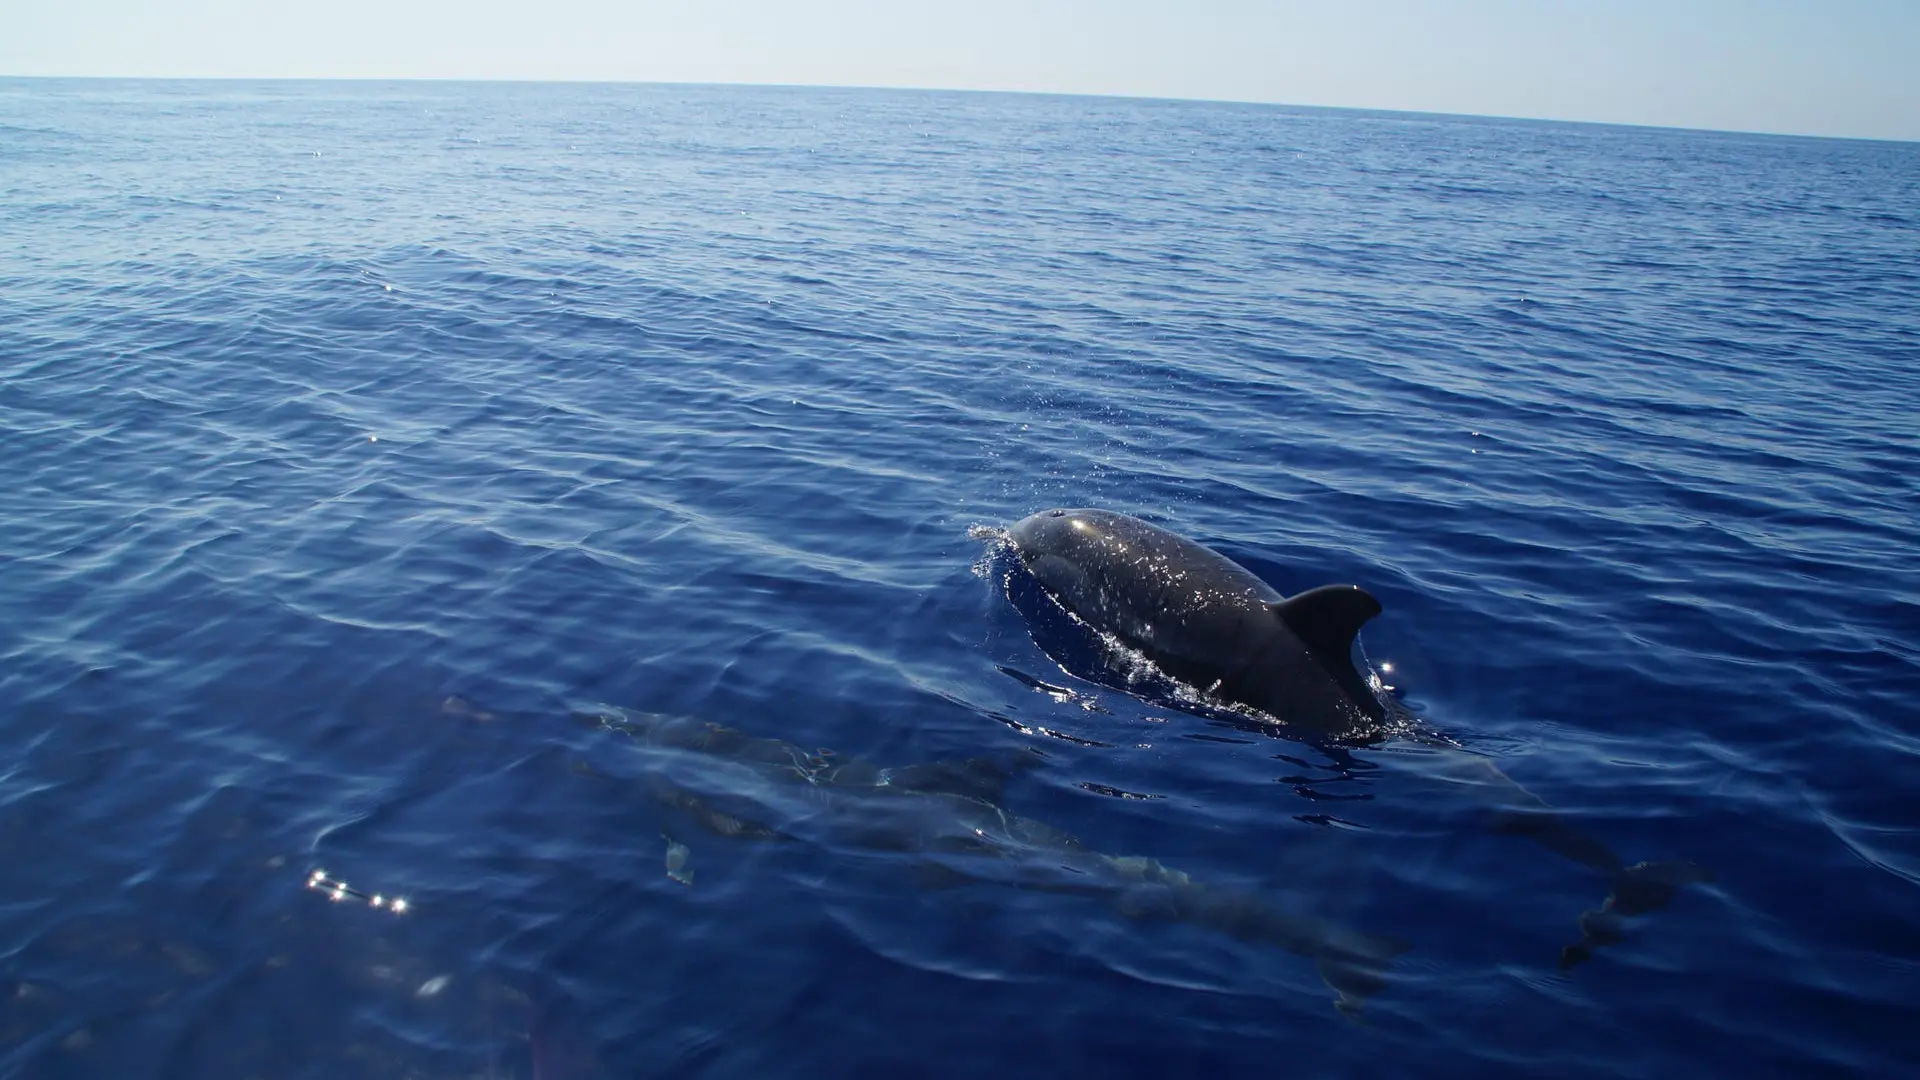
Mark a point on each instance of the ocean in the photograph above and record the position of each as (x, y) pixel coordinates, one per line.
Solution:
(567, 510)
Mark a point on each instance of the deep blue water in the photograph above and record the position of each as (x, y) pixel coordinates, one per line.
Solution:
(371, 451)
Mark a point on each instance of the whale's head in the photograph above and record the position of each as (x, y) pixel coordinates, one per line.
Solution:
(1123, 552)
(1057, 532)
(1053, 546)
(1058, 546)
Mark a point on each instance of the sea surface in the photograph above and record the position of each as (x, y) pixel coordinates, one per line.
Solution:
(569, 509)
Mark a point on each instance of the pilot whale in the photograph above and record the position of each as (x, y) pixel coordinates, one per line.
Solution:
(1206, 620)
(948, 819)
(1209, 622)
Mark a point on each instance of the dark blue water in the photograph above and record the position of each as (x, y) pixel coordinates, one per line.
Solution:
(379, 458)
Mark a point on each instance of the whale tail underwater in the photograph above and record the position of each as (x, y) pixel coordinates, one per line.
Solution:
(1640, 889)
(948, 821)
(1284, 663)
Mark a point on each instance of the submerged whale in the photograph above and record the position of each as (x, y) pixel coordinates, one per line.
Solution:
(946, 820)
(1206, 620)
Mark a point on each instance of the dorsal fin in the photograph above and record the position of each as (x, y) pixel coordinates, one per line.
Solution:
(1326, 619)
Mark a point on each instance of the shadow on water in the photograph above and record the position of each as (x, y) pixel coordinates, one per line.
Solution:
(1511, 810)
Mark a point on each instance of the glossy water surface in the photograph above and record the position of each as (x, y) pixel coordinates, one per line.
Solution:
(379, 459)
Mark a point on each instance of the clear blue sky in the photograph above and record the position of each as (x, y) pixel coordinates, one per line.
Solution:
(1824, 67)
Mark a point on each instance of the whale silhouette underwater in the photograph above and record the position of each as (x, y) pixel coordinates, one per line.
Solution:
(948, 821)
(1281, 664)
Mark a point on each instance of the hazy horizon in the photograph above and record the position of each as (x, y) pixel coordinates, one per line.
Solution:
(1841, 69)
(373, 79)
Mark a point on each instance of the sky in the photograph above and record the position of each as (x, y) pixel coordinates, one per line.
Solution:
(1814, 67)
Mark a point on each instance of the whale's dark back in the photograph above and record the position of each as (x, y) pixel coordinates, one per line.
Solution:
(1199, 616)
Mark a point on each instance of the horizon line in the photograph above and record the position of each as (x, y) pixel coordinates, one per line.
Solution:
(564, 81)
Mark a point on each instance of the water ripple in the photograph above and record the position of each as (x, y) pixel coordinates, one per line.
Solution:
(358, 433)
